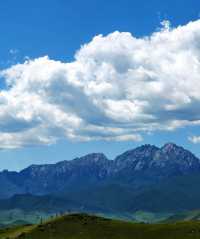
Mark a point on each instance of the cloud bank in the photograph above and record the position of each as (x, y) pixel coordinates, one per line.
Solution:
(118, 87)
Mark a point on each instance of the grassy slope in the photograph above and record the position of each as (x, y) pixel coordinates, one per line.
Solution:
(90, 227)
(15, 231)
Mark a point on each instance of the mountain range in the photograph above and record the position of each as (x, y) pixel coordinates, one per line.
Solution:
(147, 178)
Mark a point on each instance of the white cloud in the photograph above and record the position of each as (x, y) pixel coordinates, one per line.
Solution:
(117, 88)
(194, 139)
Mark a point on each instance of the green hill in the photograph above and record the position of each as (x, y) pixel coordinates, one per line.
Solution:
(82, 226)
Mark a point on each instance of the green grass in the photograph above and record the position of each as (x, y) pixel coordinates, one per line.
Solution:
(15, 232)
(81, 226)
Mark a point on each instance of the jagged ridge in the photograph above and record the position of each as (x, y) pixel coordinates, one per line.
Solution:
(144, 165)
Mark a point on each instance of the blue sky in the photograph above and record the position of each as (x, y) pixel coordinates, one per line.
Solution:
(57, 28)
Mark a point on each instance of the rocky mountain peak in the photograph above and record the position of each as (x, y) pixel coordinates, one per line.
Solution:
(171, 147)
(146, 148)
(142, 152)
(93, 158)
(173, 151)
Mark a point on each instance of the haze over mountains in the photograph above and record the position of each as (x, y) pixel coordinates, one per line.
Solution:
(147, 178)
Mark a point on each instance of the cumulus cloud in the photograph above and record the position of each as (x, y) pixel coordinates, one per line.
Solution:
(118, 87)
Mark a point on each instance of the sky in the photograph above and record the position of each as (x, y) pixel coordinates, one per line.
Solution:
(97, 76)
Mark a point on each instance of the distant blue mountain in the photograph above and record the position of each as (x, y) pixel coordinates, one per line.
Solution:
(142, 178)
